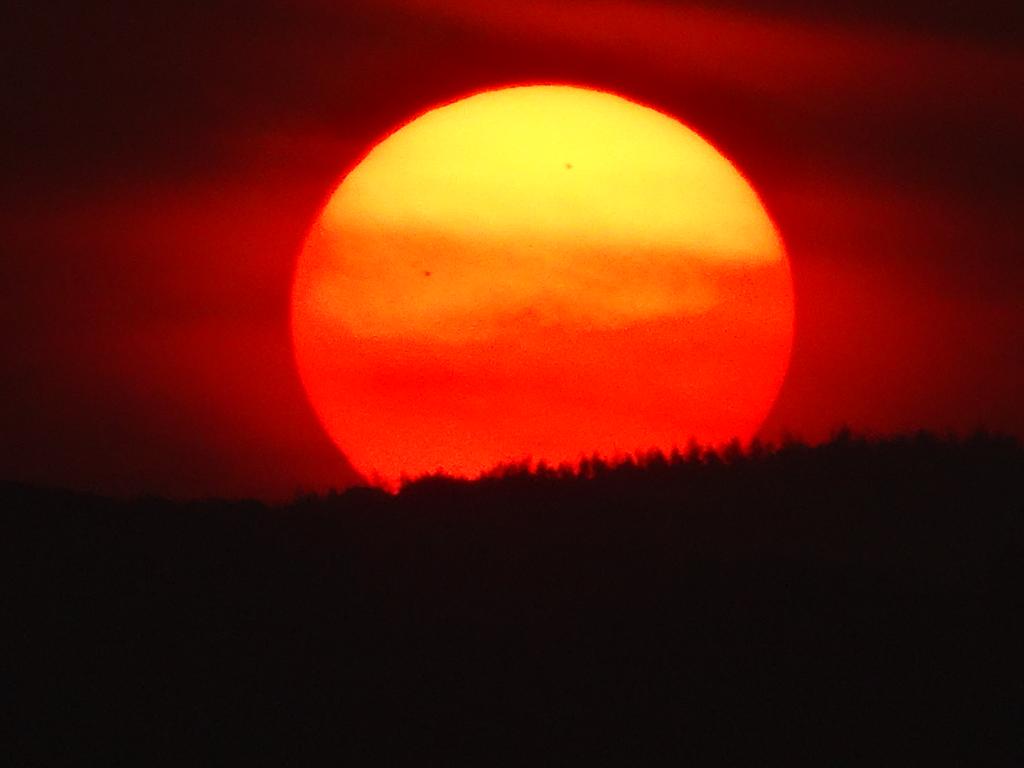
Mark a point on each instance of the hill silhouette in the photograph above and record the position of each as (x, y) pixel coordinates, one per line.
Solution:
(852, 602)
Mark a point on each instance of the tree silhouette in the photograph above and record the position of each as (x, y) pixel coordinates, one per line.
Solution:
(858, 598)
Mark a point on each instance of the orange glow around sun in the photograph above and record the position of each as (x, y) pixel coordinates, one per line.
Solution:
(544, 272)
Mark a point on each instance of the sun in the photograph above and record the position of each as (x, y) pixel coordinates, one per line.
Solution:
(540, 272)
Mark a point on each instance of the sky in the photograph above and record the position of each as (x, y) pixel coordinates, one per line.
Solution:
(162, 163)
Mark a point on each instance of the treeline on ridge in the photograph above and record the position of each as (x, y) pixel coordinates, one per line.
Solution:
(835, 599)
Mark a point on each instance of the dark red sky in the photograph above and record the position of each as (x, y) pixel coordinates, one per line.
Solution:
(162, 161)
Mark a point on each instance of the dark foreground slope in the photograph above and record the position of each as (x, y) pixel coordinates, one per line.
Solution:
(853, 603)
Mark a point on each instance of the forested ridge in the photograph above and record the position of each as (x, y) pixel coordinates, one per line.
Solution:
(847, 602)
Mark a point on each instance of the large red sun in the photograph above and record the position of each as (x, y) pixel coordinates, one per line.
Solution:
(545, 272)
